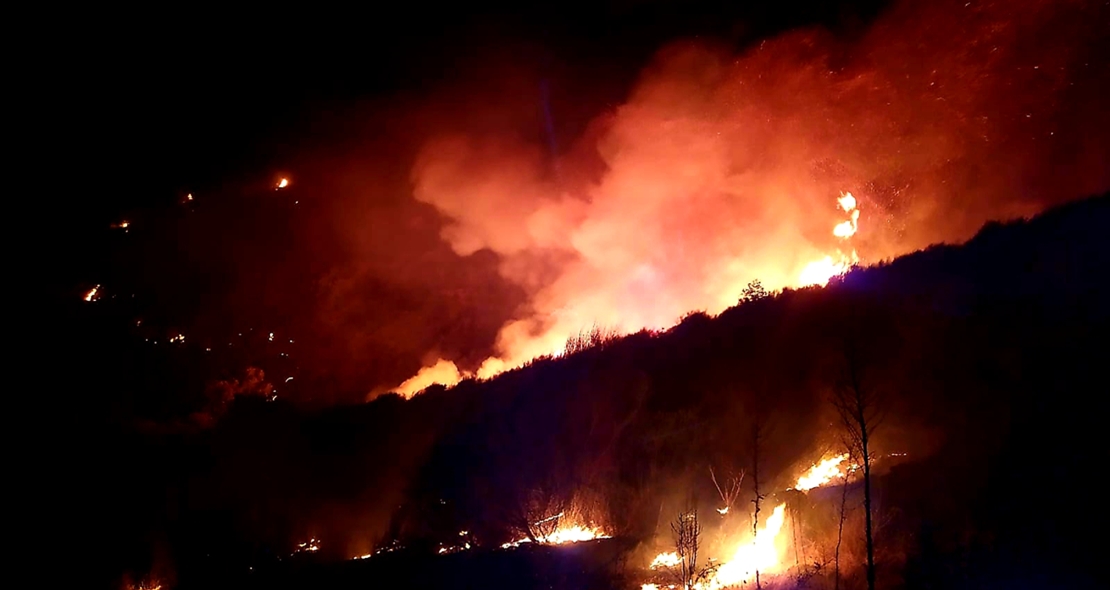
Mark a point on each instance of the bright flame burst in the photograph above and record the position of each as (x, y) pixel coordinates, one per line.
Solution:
(760, 554)
(284, 182)
(820, 271)
(821, 473)
(93, 294)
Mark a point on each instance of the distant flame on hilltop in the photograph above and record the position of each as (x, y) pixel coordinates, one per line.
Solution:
(820, 271)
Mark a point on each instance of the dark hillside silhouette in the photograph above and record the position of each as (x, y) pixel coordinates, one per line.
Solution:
(990, 356)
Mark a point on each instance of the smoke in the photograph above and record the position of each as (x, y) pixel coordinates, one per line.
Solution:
(721, 168)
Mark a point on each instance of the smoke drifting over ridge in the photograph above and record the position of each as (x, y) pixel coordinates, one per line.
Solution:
(721, 168)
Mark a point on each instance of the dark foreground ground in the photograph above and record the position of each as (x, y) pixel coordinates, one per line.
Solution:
(583, 565)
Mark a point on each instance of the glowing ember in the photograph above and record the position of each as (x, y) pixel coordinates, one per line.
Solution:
(122, 225)
(93, 294)
(309, 546)
(760, 555)
(189, 197)
(284, 182)
(178, 338)
(821, 473)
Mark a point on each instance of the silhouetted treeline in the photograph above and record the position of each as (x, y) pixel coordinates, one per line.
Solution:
(989, 357)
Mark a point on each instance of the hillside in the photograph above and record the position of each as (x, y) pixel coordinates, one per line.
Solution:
(986, 356)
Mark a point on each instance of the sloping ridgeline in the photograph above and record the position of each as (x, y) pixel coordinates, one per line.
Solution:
(990, 360)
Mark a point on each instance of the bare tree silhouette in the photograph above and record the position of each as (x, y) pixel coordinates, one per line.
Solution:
(860, 409)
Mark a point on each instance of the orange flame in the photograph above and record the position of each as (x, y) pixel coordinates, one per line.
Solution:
(760, 554)
(821, 473)
(820, 271)
(569, 532)
(521, 342)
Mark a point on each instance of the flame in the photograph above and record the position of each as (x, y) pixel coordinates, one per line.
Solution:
(527, 345)
(666, 560)
(93, 294)
(309, 546)
(760, 555)
(820, 271)
(821, 473)
(444, 372)
(284, 182)
(566, 533)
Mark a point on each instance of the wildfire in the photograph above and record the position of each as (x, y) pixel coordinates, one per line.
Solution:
(565, 533)
(666, 560)
(820, 271)
(760, 555)
(310, 546)
(552, 341)
(821, 473)
(93, 294)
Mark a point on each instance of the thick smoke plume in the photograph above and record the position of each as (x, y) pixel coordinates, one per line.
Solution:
(721, 168)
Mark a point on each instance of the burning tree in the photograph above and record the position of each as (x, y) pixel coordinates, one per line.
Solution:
(860, 412)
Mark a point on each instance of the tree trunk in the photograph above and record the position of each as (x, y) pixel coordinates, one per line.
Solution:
(757, 434)
(867, 507)
(840, 533)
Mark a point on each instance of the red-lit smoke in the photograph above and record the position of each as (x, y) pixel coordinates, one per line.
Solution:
(720, 168)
